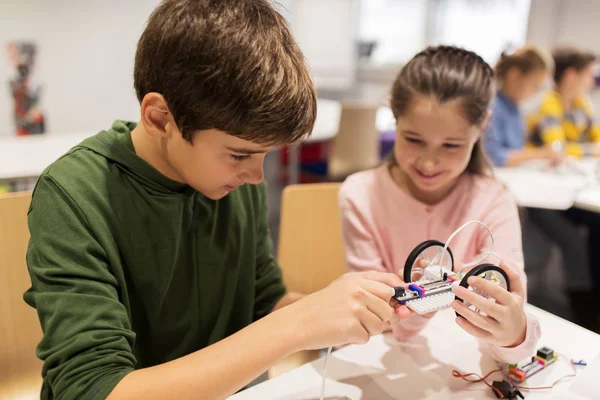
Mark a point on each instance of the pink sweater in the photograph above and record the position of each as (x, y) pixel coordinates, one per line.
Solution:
(382, 224)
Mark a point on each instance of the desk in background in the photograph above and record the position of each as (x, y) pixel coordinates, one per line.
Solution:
(422, 367)
(537, 185)
(25, 157)
(326, 128)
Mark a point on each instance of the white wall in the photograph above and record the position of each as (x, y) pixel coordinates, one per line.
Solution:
(565, 22)
(85, 59)
(86, 52)
(398, 27)
(486, 27)
(326, 31)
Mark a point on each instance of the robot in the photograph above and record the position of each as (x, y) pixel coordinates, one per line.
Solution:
(431, 277)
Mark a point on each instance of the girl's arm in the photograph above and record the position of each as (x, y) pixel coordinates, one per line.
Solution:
(363, 253)
(503, 220)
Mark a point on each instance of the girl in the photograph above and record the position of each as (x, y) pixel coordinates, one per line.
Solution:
(437, 179)
(520, 75)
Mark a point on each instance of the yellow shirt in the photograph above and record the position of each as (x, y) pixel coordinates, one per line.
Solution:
(551, 123)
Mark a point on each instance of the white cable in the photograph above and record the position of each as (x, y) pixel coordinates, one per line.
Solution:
(443, 253)
(325, 374)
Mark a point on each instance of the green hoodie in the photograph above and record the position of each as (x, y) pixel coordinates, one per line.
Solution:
(130, 269)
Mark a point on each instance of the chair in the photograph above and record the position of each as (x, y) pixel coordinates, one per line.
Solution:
(310, 248)
(356, 146)
(20, 331)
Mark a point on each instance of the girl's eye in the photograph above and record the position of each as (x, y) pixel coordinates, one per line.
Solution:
(413, 140)
(451, 146)
(240, 158)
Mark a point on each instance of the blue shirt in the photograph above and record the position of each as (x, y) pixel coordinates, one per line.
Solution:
(505, 130)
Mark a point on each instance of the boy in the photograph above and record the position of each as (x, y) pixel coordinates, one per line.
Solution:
(150, 259)
(565, 119)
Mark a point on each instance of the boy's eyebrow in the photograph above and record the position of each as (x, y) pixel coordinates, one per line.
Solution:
(245, 151)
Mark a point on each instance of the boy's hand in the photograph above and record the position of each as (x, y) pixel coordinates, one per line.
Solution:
(403, 312)
(503, 322)
(350, 310)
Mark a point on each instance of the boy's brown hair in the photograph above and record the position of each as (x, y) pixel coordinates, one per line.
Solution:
(231, 65)
(526, 59)
(570, 57)
(446, 73)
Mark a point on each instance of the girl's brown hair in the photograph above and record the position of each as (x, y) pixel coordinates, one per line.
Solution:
(447, 73)
(525, 59)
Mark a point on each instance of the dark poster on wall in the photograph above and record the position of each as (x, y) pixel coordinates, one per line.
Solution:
(28, 116)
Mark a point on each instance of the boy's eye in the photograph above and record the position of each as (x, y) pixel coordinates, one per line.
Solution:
(451, 145)
(240, 158)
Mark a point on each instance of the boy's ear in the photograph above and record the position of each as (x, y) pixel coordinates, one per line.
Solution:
(155, 115)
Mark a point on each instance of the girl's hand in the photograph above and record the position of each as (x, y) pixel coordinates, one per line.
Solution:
(501, 322)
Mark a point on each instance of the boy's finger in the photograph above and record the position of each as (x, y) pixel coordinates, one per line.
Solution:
(392, 280)
(380, 289)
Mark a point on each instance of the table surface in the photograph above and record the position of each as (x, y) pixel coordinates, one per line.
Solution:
(421, 368)
(576, 183)
(327, 122)
(28, 156)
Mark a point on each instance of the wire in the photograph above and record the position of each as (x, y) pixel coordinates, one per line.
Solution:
(457, 374)
(555, 382)
(325, 374)
(486, 254)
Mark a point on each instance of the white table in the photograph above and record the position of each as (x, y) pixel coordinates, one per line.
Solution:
(588, 199)
(422, 367)
(326, 128)
(26, 157)
(576, 184)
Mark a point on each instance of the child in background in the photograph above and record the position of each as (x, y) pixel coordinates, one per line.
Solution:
(565, 119)
(520, 75)
(437, 179)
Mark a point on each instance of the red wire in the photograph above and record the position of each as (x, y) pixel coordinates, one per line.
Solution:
(555, 382)
(457, 374)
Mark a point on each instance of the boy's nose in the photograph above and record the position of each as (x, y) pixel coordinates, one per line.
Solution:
(254, 175)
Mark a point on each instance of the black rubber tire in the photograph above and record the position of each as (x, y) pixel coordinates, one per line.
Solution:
(481, 268)
(414, 255)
